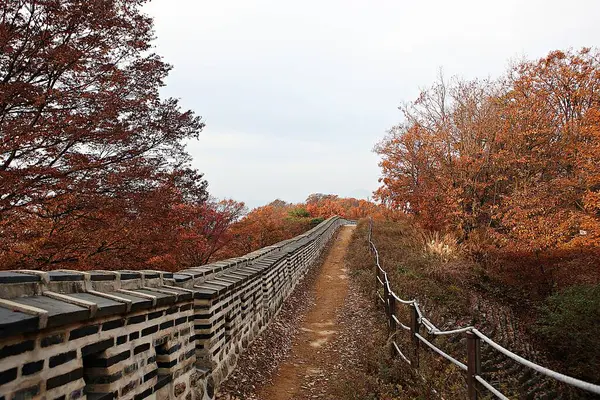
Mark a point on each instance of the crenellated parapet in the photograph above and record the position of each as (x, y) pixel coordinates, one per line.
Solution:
(142, 334)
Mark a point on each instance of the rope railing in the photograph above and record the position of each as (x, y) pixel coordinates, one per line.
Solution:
(475, 382)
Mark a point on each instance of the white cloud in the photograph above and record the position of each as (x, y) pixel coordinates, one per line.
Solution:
(265, 168)
(295, 94)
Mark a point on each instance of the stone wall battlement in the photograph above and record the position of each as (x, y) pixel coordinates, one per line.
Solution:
(142, 334)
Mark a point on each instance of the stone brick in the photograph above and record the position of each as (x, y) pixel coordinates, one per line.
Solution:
(52, 339)
(141, 347)
(110, 325)
(130, 369)
(143, 395)
(63, 379)
(154, 315)
(32, 367)
(27, 393)
(97, 347)
(150, 375)
(172, 310)
(160, 341)
(163, 350)
(129, 387)
(62, 358)
(76, 394)
(150, 330)
(198, 391)
(8, 376)
(16, 349)
(167, 324)
(136, 319)
(166, 364)
(93, 361)
(83, 331)
(162, 381)
(210, 387)
(179, 389)
(104, 379)
(185, 307)
(184, 332)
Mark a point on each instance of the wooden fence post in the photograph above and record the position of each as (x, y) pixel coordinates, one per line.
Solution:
(392, 313)
(414, 329)
(473, 364)
(386, 293)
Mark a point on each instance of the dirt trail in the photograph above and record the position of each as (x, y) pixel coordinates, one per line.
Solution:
(310, 354)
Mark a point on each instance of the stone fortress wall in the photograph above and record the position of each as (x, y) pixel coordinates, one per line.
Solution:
(67, 335)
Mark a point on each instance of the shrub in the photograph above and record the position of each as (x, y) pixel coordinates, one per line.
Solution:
(316, 221)
(298, 212)
(569, 324)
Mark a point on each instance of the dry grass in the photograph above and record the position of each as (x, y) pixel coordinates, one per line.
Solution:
(457, 285)
(417, 264)
(425, 266)
(442, 248)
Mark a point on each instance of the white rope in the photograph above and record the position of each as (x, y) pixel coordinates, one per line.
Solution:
(452, 332)
(429, 325)
(419, 313)
(434, 330)
(400, 324)
(491, 388)
(400, 353)
(590, 387)
(402, 300)
(441, 353)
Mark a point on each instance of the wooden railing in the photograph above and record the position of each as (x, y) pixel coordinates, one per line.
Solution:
(476, 384)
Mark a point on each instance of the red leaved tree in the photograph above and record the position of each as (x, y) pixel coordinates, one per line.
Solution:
(91, 158)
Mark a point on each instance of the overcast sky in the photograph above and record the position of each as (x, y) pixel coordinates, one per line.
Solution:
(295, 94)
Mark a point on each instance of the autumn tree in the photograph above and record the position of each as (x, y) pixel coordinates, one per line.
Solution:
(279, 220)
(321, 205)
(205, 229)
(550, 141)
(92, 163)
(264, 226)
(438, 164)
(516, 157)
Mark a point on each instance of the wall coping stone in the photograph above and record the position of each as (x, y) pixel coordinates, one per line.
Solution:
(75, 296)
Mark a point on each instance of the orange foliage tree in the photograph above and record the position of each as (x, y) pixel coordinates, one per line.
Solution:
(517, 158)
(320, 205)
(279, 221)
(263, 227)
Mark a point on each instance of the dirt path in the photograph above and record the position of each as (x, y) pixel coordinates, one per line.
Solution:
(309, 354)
(310, 350)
